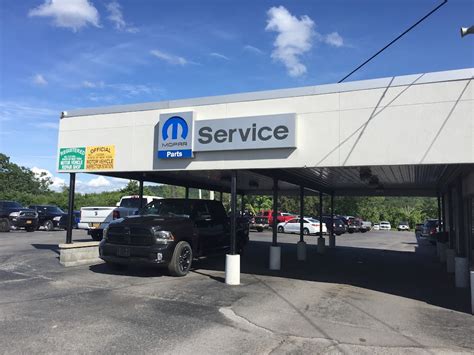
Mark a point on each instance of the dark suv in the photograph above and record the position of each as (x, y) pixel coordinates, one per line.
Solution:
(48, 216)
(171, 232)
(339, 225)
(13, 214)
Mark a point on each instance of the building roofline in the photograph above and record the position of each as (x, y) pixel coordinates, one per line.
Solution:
(451, 75)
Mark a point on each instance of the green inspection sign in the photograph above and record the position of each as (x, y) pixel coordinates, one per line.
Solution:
(72, 158)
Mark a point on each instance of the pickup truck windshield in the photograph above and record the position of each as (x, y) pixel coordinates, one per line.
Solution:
(132, 202)
(180, 208)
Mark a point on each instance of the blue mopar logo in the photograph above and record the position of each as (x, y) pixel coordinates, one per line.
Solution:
(174, 122)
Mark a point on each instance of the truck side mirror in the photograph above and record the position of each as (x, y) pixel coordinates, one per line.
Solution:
(117, 204)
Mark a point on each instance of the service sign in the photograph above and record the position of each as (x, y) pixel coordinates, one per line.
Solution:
(176, 135)
(72, 158)
(239, 133)
(100, 157)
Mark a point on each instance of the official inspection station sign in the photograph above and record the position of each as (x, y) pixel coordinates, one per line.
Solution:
(100, 157)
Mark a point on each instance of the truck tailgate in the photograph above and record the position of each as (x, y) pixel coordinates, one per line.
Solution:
(96, 214)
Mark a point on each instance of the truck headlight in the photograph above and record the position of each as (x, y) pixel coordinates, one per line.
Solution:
(105, 231)
(14, 214)
(57, 218)
(163, 236)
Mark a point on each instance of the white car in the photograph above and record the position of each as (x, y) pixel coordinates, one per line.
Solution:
(376, 227)
(310, 226)
(403, 226)
(385, 226)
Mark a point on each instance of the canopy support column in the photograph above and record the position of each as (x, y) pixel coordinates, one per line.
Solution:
(301, 246)
(140, 193)
(232, 260)
(332, 235)
(186, 193)
(70, 212)
(275, 250)
(321, 240)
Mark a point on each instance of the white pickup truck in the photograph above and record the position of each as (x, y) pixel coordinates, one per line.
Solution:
(96, 219)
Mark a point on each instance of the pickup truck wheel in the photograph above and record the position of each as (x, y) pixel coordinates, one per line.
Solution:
(96, 235)
(305, 231)
(259, 229)
(4, 225)
(181, 260)
(281, 229)
(48, 225)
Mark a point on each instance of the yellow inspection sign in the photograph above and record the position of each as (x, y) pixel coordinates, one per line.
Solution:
(100, 157)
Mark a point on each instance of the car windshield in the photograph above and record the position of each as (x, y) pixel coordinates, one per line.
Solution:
(431, 223)
(182, 208)
(11, 204)
(132, 202)
(53, 209)
(384, 222)
(312, 220)
(403, 222)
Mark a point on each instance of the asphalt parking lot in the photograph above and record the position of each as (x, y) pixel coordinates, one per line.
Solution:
(376, 292)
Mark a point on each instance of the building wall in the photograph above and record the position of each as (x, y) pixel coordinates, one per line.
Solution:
(414, 123)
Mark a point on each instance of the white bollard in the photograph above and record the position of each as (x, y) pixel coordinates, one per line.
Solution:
(472, 290)
(275, 256)
(301, 250)
(321, 245)
(442, 252)
(332, 241)
(450, 254)
(461, 272)
(232, 269)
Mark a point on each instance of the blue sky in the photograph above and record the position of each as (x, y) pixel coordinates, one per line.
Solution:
(63, 54)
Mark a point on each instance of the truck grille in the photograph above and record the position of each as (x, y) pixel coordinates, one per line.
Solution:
(28, 214)
(130, 236)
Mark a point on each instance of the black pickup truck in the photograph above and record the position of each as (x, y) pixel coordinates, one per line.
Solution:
(171, 232)
(13, 214)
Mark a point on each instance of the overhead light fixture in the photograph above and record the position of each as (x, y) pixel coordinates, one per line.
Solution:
(374, 181)
(253, 183)
(365, 173)
(467, 31)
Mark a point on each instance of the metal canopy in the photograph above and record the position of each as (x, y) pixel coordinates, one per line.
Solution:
(394, 180)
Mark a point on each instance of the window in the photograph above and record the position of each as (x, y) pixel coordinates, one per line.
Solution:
(182, 208)
(294, 220)
(132, 202)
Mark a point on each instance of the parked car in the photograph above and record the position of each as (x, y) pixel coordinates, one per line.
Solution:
(429, 230)
(13, 214)
(376, 227)
(259, 223)
(171, 232)
(418, 229)
(96, 219)
(75, 221)
(385, 226)
(281, 216)
(48, 216)
(338, 225)
(403, 226)
(353, 224)
(365, 226)
(310, 226)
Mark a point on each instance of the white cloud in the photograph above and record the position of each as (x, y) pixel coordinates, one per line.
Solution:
(12, 110)
(58, 183)
(99, 181)
(294, 38)
(73, 14)
(334, 39)
(92, 85)
(39, 79)
(169, 58)
(116, 16)
(252, 49)
(47, 125)
(218, 55)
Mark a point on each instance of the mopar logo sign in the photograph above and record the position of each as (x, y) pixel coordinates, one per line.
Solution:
(176, 136)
